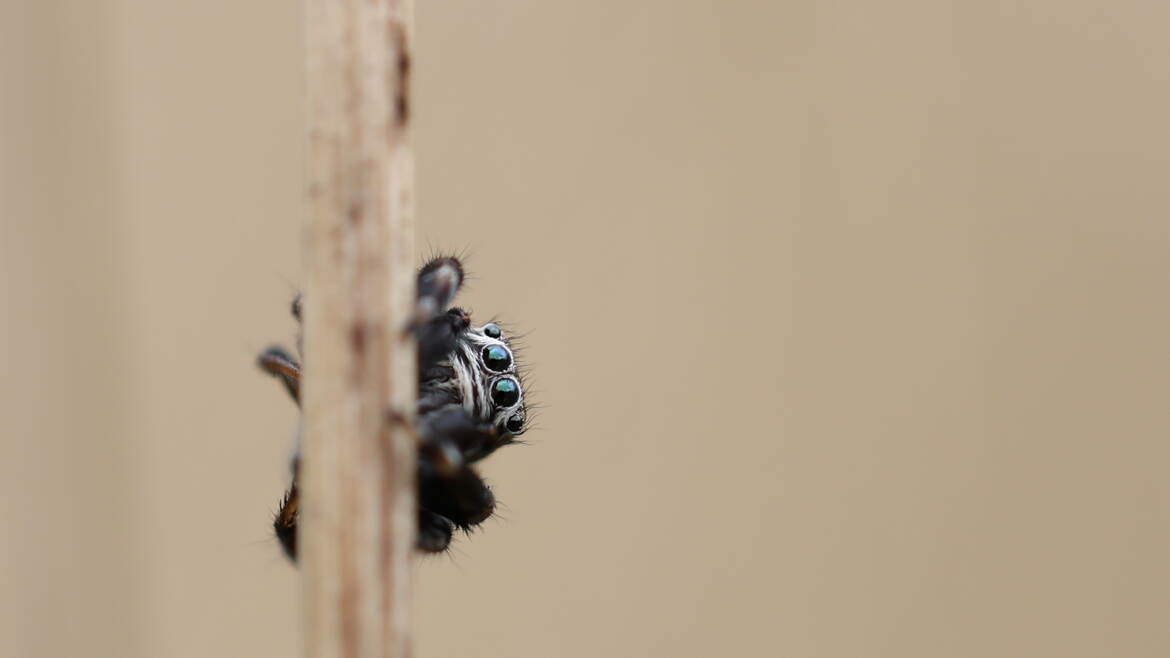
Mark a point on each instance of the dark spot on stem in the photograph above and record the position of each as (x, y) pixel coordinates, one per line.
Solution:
(403, 65)
(357, 337)
(396, 418)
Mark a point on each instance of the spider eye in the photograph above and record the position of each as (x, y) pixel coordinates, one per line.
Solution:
(515, 424)
(505, 392)
(492, 330)
(497, 358)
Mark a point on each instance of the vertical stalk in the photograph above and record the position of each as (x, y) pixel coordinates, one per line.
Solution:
(358, 518)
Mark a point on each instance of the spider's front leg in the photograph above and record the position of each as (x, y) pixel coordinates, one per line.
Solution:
(279, 363)
(438, 282)
(285, 523)
(451, 494)
(436, 328)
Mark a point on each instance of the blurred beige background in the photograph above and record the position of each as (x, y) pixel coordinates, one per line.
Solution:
(850, 320)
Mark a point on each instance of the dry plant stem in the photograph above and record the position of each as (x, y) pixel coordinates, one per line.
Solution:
(358, 518)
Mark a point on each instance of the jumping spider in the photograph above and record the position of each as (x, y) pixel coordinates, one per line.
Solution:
(470, 403)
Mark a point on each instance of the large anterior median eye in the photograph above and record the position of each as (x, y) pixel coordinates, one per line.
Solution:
(505, 392)
(497, 358)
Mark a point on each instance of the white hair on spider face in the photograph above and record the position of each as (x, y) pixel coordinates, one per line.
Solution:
(487, 380)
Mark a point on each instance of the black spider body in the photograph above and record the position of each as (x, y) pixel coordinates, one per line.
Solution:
(470, 403)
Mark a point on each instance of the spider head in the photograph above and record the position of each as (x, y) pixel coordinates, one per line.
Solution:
(492, 386)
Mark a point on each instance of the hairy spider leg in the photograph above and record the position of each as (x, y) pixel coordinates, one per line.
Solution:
(278, 363)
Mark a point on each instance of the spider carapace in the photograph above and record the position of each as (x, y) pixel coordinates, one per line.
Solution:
(470, 403)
